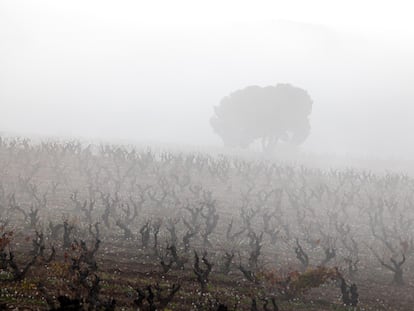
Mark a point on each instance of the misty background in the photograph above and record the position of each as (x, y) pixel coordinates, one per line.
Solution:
(152, 72)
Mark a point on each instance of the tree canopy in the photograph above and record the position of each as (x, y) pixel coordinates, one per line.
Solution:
(271, 114)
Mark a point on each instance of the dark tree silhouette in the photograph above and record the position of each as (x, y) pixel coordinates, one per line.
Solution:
(269, 114)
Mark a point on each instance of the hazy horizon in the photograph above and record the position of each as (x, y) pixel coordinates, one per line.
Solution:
(154, 72)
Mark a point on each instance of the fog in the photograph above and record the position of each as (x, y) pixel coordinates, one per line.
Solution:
(152, 72)
(206, 155)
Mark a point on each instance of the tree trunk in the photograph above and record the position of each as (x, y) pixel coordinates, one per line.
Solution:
(269, 144)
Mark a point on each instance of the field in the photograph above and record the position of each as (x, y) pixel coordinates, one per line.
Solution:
(112, 227)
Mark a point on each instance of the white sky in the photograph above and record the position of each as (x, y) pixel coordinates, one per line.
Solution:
(152, 70)
(395, 14)
(368, 14)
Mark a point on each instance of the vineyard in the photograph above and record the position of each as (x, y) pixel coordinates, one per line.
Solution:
(113, 227)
